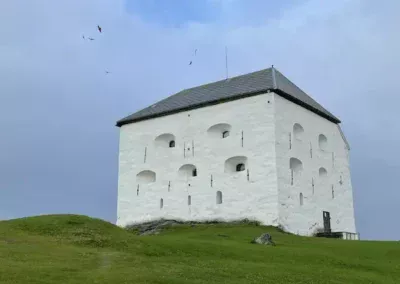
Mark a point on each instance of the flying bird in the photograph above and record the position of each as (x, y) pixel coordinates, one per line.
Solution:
(89, 38)
(195, 51)
(99, 28)
(108, 72)
(83, 36)
(190, 63)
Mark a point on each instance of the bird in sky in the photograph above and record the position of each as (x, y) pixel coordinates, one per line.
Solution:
(83, 36)
(107, 72)
(99, 28)
(90, 38)
(190, 63)
(195, 51)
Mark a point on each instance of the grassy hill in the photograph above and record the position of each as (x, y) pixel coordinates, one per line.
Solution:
(79, 249)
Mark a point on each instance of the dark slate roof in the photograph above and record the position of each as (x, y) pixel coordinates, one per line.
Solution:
(251, 84)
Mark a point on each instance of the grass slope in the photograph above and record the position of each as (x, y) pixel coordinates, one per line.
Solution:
(79, 249)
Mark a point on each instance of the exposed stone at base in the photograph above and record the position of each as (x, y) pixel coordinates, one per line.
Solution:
(153, 227)
(264, 239)
(156, 226)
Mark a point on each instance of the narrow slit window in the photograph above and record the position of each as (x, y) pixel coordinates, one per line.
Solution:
(301, 199)
(172, 144)
(189, 200)
(194, 173)
(313, 188)
(291, 177)
(161, 203)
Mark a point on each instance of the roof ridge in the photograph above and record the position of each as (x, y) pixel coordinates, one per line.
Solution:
(207, 84)
(229, 79)
(304, 93)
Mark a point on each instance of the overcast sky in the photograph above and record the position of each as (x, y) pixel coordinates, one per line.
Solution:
(58, 108)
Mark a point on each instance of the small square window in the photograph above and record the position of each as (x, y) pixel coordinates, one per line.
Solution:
(240, 167)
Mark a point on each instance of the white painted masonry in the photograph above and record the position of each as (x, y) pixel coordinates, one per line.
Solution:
(156, 180)
(323, 171)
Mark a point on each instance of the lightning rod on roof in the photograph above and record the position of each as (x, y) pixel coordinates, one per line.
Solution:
(226, 62)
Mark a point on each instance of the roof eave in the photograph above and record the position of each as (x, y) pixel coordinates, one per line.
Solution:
(209, 103)
(306, 106)
(240, 96)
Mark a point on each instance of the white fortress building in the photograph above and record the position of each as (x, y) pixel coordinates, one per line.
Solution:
(254, 146)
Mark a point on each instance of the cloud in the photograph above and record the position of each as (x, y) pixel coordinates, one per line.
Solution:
(59, 144)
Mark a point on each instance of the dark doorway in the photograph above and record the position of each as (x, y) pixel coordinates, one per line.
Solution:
(327, 221)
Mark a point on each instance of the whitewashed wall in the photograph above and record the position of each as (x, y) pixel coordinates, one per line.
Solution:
(254, 198)
(266, 121)
(304, 219)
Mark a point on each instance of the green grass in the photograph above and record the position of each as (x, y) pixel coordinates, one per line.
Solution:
(79, 249)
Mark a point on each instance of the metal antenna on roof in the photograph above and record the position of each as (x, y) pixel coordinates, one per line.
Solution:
(274, 85)
(226, 62)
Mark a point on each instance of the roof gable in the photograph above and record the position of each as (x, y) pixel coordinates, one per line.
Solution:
(230, 89)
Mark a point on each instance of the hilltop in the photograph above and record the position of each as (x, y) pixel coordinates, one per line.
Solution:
(79, 249)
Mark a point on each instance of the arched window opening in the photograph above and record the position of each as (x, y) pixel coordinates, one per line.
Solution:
(189, 200)
(333, 193)
(323, 173)
(145, 177)
(219, 197)
(235, 164)
(161, 203)
(166, 140)
(323, 142)
(298, 131)
(296, 165)
(240, 167)
(187, 171)
(219, 130)
(301, 199)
